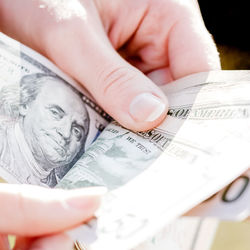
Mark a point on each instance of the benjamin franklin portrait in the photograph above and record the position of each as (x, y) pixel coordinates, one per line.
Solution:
(49, 133)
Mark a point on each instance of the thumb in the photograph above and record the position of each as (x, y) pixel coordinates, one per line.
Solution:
(127, 94)
(34, 211)
(122, 90)
(73, 36)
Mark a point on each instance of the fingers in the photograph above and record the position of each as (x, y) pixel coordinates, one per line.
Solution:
(171, 35)
(123, 91)
(128, 95)
(78, 44)
(57, 241)
(32, 211)
(179, 42)
(191, 48)
(81, 48)
(160, 76)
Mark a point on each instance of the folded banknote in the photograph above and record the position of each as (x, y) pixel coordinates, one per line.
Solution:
(152, 176)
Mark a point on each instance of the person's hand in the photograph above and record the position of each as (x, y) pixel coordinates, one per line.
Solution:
(164, 39)
(39, 217)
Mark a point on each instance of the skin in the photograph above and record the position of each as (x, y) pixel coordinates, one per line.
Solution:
(54, 125)
(27, 212)
(117, 49)
(164, 39)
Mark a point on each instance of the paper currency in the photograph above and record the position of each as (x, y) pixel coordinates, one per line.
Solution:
(185, 233)
(46, 119)
(157, 175)
(152, 176)
(231, 203)
(195, 233)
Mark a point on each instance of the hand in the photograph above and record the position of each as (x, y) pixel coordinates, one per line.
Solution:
(40, 217)
(107, 44)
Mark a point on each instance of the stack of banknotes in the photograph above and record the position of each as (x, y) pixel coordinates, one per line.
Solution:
(195, 163)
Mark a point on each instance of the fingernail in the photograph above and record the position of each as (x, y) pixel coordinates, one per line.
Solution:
(86, 198)
(146, 107)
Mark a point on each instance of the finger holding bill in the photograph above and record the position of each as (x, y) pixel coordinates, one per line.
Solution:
(39, 216)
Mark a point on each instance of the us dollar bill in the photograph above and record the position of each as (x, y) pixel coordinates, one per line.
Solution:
(186, 233)
(231, 203)
(47, 120)
(195, 233)
(152, 176)
(157, 175)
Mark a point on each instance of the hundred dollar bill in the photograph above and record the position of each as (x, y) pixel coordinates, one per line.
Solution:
(185, 233)
(195, 233)
(157, 175)
(47, 120)
(211, 224)
(231, 203)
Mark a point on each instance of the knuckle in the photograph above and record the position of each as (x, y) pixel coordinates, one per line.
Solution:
(21, 209)
(25, 218)
(116, 79)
